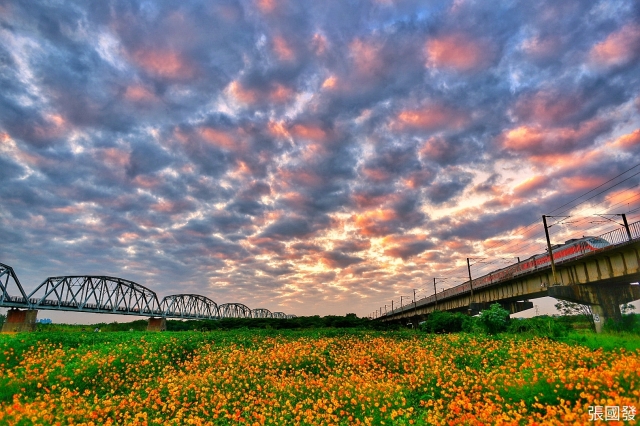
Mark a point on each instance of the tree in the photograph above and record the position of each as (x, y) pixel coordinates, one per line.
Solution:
(3, 318)
(627, 308)
(495, 319)
(570, 308)
(445, 322)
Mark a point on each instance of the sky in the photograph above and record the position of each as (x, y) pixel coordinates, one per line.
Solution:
(310, 157)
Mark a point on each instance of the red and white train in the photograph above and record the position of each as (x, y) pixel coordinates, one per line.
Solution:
(571, 249)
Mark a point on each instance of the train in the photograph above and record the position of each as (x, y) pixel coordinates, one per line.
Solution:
(571, 249)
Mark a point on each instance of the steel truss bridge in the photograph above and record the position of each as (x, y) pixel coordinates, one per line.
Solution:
(112, 295)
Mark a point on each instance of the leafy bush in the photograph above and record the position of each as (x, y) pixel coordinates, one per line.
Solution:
(629, 323)
(446, 322)
(495, 319)
(543, 326)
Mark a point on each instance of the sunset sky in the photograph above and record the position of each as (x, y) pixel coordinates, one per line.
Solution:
(309, 157)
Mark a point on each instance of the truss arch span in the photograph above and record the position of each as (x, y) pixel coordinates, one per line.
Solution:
(189, 306)
(234, 310)
(100, 294)
(261, 313)
(11, 291)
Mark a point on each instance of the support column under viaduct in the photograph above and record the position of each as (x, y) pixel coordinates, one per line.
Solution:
(604, 299)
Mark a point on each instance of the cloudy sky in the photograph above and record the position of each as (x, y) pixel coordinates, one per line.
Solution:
(308, 157)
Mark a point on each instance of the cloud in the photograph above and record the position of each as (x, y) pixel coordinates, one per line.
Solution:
(258, 151)
(335, 259)
(146, 158)
(459, 52)
(447, 187)
(407, 246)
(618, 48)
(536, 140)
(289, 228)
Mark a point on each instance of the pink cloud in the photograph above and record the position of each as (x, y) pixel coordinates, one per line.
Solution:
(366, 57)
(283, 49)
(275, 93)
(538, 140)
(113, 157)
(418, 179)
(375, 222)
(376, 174)
(547, 106)
(531, 185)
(220, 138)
(139, 94)
(430, 117)
(147, 182)
(164, 63)
(628, 142)
(618, 48)
(580, 183)
(364, 200)
(310, 132)
(266, 6)
(459, 52)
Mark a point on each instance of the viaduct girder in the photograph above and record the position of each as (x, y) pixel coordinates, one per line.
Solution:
(608, 271)
(280, 315)
(189, 306)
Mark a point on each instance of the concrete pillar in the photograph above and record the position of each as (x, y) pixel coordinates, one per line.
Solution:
(604, 299)
(157, 324)
(20, 320)
(599, 317)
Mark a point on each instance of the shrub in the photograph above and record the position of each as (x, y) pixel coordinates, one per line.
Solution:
(445, 322)
(629, 323)
(495, 319)
(543, 326)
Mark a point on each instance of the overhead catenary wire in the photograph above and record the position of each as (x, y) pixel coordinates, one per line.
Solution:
(575, 221)
(486, 266)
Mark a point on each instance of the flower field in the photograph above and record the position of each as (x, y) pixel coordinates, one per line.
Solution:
(307, 378)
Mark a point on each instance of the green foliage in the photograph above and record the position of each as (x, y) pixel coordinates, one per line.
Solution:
(495, 319)
(629, 323)
(446, 322)
(311, 322)
(576, 309)
(3, 318)
(543, 326)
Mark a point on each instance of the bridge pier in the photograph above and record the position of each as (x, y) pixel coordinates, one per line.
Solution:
(604, 299)
(20, 320)
(157, 324)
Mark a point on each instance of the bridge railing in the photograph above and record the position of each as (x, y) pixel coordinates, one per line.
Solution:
(620, 235)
